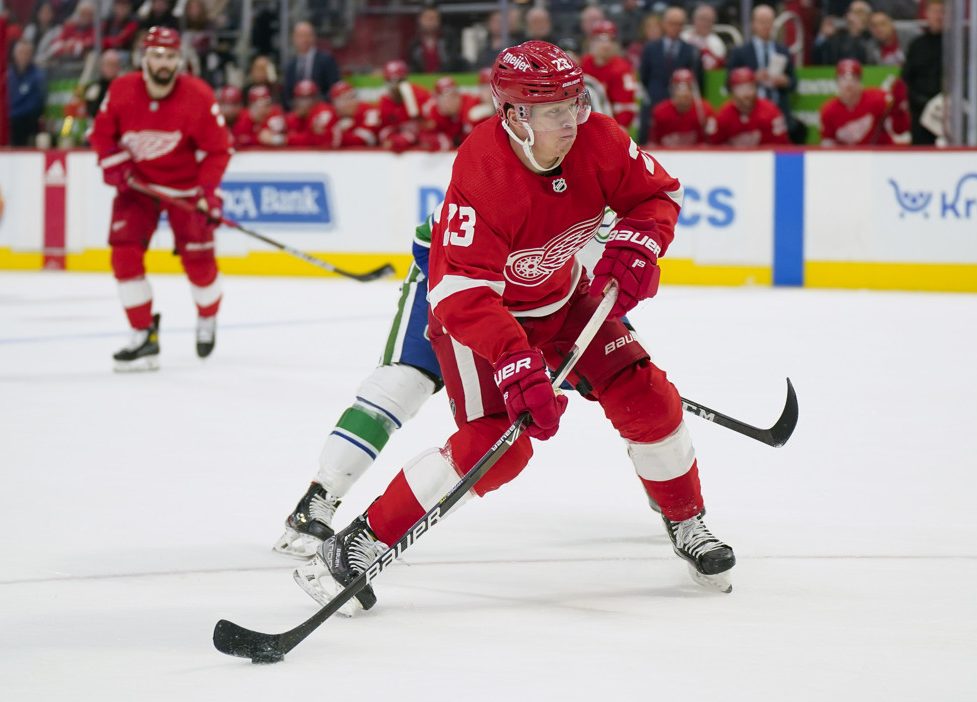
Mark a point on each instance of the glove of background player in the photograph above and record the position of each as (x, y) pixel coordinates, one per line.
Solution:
(211, 206)
(526, 387)
(118, 175)
(630, 258)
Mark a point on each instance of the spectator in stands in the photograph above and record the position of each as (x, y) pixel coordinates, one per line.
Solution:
(264, 73)
(772, 65)
(651, 30)
(400, 108)
(109, 68)
(746, 119)
(198, 29)
(43, 33)
(898, 9)
(433, 50)
(851, 41)
(119, 29)
(712, 50)
(495, 44)
(862, 116)
(308, 62)
(590, 16)
(660, 59)
(26, 94)
(158, 13)
(77, 34)
(808, 13)
(229, 101)
(685, 119)
(539, 25)
(923, 70)
(886, 50)
(627, 16)
(63, 9)
(614, 72)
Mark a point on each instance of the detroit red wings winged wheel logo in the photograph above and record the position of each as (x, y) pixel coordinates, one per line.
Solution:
(530, 267)
(150, 144)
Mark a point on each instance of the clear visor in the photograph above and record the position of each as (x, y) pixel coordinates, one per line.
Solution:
(555, 116)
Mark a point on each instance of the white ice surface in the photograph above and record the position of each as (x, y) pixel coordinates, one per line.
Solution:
(135, 511)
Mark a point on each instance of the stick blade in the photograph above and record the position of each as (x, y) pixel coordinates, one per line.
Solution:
(234, 640)
(782, 430)
(381, 272)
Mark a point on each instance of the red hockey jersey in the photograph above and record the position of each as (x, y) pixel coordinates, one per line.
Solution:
(669, 127)
(359, 130)
(763, 126)
(504, 239)
(246, 130)
(866, 124)
(441, 132)
(179, 141)
(314, 129)
(617, 77)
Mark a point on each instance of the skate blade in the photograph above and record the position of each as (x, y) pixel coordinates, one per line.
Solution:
(319, 585)
(720, 582)
(140, 365)
(296, 545)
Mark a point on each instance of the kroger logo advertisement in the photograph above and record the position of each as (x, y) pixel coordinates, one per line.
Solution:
(278, 199)
(917, 198)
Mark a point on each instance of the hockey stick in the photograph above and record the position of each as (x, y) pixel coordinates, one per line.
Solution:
(776, 435)
(147, 189)
(235, 640)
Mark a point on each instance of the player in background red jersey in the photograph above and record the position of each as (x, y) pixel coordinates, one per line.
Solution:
(357, 123)
(230, 102)
(311, 120)
(400, 108)
(485, 107)
(746, 119)
(164, 128)
(263, 123)
(861, 116)
(685, 119)
(507, 300)
(446, 122)
(614, 72)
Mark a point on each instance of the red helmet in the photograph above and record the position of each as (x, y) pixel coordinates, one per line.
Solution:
(849, 68)
(534, 72)
(485, 76)
(229, 94)
(741, 76)
(305, 88)
(444, 85)
(604, 28)
(683, 76)
(258, 92)
(162, 37)
(394, 71)
(338, 89)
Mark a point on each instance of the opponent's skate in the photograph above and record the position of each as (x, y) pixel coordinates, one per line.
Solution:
(309, 525)
(206, 335)
(337, 563)
(142, 351)
(709, 559)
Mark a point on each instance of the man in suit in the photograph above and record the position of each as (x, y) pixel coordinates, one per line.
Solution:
(660, 59)
(308, 63)
(771, 63)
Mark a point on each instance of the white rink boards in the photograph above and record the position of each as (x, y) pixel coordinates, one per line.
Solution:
(135, 511)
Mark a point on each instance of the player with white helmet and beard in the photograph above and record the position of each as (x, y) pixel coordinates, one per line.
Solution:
(507, 298)
(163, 128)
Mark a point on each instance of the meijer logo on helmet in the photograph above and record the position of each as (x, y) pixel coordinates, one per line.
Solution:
(517, 61)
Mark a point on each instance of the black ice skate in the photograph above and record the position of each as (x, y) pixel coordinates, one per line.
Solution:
(142, 352)
(310, 524)
(709, 559)
(337, 563)
(206, 335)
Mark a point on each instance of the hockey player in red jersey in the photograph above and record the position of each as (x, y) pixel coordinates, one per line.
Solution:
(485, 107)
(311, 120)
(400, 108)
(263, 123)
(862, 116)
(685, 119)
(613, 71)
(357, 123)
(746, 119)
(528, 190)
(446, 122)
(229, 100)
(164, 128)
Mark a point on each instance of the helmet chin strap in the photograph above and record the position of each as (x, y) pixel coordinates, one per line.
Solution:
(527, 146)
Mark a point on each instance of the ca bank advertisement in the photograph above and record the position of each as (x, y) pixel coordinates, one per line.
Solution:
(890, 207)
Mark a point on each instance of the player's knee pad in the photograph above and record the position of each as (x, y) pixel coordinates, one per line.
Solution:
(641, 403)
(467, 445)
(397, 392)
(127, 262)
(665, 459)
